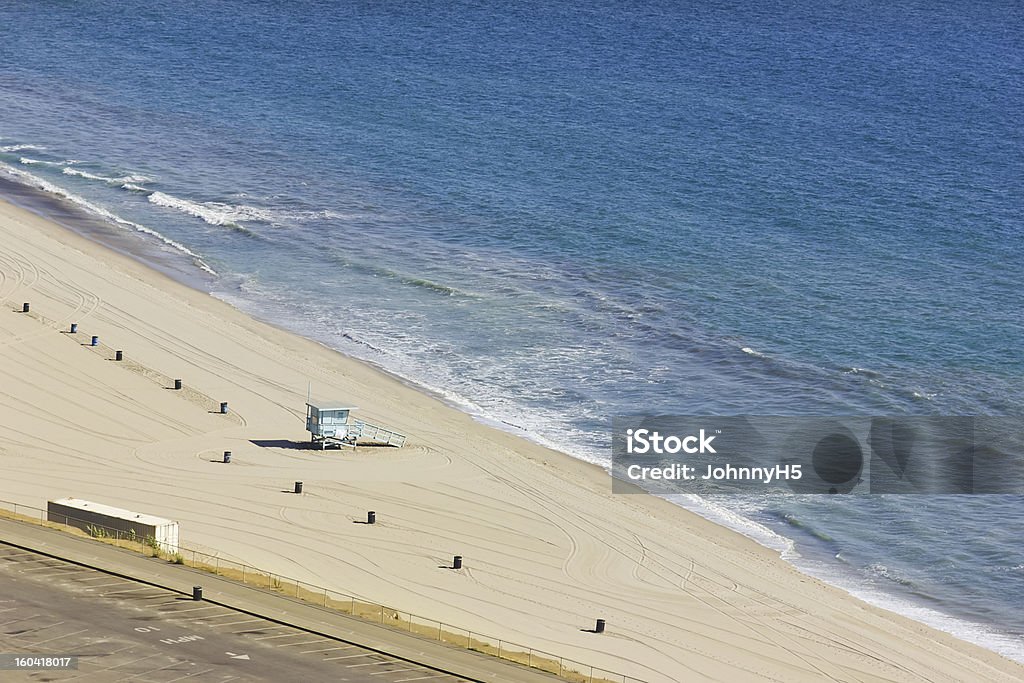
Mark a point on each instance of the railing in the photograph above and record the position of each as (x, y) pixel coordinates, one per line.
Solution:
(371, 432)
(570, 670)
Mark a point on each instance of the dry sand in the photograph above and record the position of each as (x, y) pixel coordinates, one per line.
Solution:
(548, 549)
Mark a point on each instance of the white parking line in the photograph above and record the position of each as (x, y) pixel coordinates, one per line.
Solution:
(197, 673)
(114, 666)
(280, 635)
(15, 621)
(45, 566)
(331, 659)
(307, 642)
(244, 621)
(420, 678)
(192, 609)
(108, 585)
(39, 628)
(50, 576)
(128, 590)
(65, 635)
(159, 668)
(327, 649)
(393, 671)
(352, 666)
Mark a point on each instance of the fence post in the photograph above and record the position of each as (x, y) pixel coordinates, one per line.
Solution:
(439, 630)
(382, 614)
(243, 574)
(499, 649)
(325, 597)
(296, 588)
(353, 606)
(216, 565)
(530, 657)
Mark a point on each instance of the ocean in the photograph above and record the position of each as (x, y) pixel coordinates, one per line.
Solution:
(553, 214)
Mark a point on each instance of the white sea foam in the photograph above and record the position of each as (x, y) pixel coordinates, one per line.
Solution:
(31, 180)
(7, 149)
(111, 180)
(214, 213)
(752, 352)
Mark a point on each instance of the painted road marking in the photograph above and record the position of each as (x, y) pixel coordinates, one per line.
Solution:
(66, 635)
(352, 666)
(15, 621)
(127, 590)
(308, 642)
(183, 639)
(420, 678)
(281, 635)
(38, 628)
(361, 654)
(393, 671)
(193, 609)
(198, 673)
(327, 649)
(108, 585)
(244, 621)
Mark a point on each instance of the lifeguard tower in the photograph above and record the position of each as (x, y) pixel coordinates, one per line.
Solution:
(332, 425)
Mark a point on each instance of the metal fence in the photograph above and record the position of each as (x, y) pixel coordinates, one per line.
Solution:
(568, 669)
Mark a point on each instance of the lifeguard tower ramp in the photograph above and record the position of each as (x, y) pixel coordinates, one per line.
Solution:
(332, 425)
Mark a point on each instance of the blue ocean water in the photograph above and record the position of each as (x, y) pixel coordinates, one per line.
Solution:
(555, 214)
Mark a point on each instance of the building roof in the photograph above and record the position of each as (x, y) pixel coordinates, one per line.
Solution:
(326, 407)
(111, 511)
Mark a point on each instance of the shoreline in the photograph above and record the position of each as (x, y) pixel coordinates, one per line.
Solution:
(180, 268)
(568, 469)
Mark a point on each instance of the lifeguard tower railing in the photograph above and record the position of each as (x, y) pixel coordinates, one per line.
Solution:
(370, 433)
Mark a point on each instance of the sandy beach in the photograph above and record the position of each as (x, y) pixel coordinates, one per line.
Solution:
(547, 547)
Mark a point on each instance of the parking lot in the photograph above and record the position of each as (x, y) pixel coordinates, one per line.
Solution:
(122, 630)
